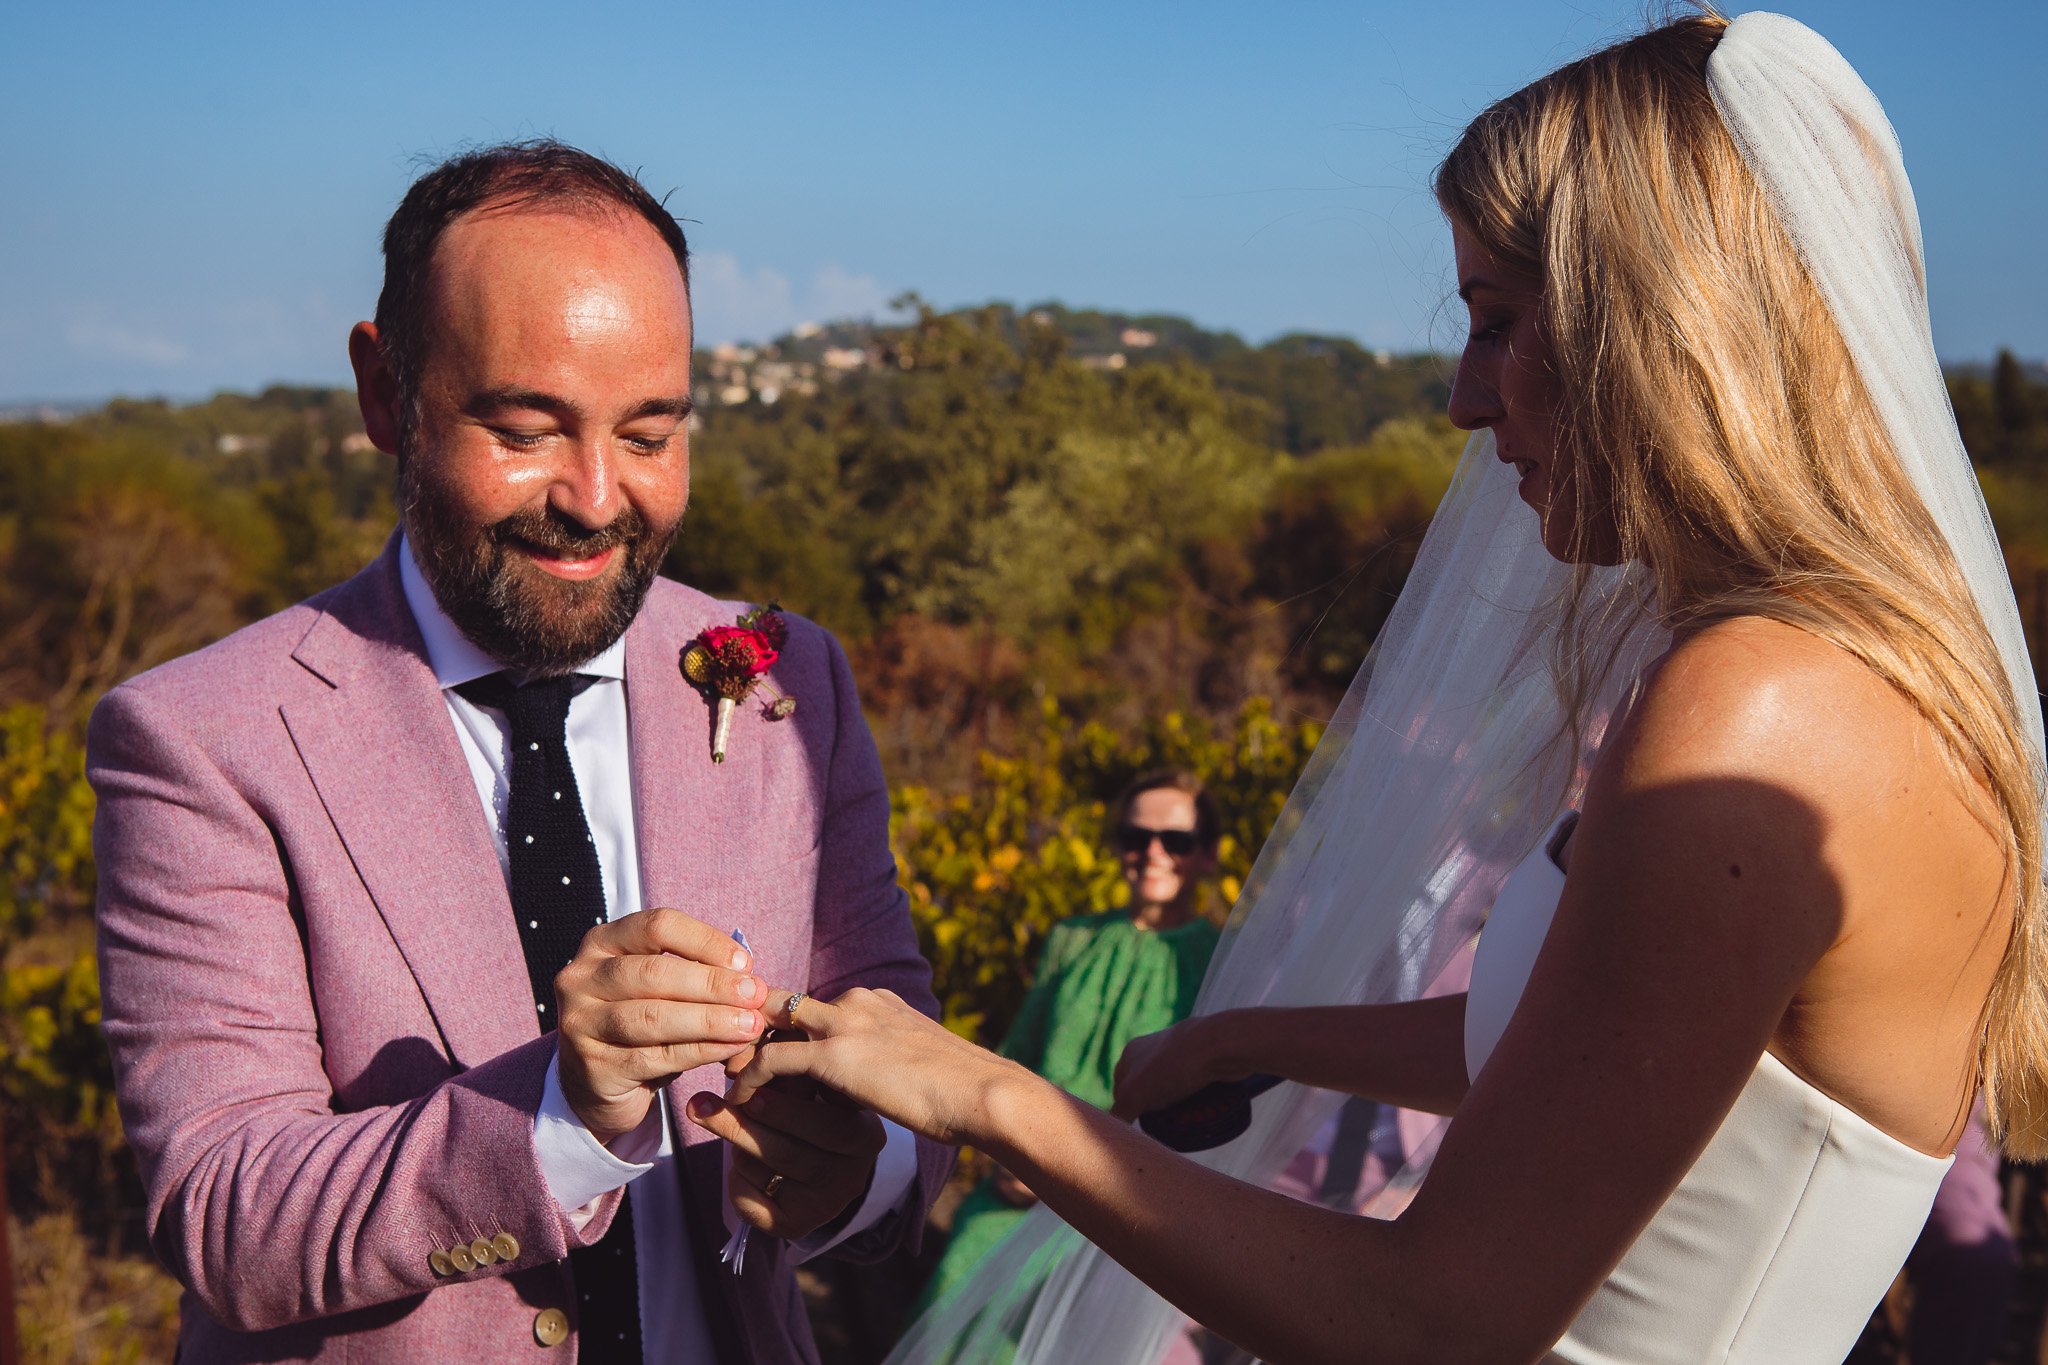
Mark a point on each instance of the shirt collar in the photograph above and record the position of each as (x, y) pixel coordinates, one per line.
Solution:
(452, 655)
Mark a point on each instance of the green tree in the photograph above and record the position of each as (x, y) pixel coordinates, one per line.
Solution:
(2012, 397)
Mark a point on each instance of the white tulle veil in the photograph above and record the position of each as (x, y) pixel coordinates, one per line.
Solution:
(1442, 765)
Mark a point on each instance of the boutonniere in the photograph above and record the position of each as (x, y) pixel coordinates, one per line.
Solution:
(727, 663)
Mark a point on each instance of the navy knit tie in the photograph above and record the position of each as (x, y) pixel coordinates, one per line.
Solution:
(557, 896)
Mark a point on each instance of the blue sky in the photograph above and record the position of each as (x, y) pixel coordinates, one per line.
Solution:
(193, 193)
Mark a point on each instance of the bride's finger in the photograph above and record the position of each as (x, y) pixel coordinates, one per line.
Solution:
(813, 1016)
(770, 1061)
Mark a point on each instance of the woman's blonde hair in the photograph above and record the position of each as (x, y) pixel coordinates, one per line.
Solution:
(1721, 428)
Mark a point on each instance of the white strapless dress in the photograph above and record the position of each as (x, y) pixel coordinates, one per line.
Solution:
(1780, 1240)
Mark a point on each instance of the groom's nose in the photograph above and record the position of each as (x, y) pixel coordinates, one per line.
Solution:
(585, 483)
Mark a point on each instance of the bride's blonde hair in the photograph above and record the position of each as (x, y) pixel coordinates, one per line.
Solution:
(1720, 425)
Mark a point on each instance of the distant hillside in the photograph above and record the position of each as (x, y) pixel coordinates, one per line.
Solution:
(1317, 390)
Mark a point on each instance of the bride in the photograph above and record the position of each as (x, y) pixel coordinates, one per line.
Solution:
(1726, 1022)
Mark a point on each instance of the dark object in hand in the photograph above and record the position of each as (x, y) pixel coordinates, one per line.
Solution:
(1212, 1116)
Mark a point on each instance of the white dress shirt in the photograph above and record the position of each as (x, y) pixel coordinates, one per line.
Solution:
(578, 1168)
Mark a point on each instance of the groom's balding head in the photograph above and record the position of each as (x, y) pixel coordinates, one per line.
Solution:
(539, 173)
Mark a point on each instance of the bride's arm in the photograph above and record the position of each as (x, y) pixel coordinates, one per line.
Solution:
(1514, 1228)
(1411, 1054)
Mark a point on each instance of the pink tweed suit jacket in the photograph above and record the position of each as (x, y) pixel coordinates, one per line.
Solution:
(325, 1044)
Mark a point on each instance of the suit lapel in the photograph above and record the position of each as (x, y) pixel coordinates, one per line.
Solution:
(688, 812)
(382, 753)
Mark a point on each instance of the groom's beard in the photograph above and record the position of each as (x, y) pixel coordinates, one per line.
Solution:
(513, 610)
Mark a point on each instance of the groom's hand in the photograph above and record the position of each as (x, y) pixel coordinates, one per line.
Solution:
(646, 998)
(817, 1141)
(822, 1144)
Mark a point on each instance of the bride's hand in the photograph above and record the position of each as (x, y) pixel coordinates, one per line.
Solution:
(1170, 1065)
(883, 1055)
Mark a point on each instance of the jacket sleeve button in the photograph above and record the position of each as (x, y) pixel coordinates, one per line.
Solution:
(551, 1327)
(442, 1265)
(485, 1252)
(506, 1245)
(459, 1254)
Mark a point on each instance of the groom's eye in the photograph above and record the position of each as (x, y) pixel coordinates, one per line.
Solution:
(643, 444)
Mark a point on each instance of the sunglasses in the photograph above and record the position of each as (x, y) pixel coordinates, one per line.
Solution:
(1178, 843)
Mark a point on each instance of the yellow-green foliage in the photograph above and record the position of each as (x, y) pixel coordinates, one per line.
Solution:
(77, 1305)
(45, 821)
(84, 1289)
(990, 871)
(56, 1077)
(2018, 502)
(57, 1064)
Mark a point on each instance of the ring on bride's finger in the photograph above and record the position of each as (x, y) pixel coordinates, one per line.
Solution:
(774, 1184)
(789, 1009)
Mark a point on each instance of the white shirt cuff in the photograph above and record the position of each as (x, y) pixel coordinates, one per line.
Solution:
(895, 1176)
(577, 1167)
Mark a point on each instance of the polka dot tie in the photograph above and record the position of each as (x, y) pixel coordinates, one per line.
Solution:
(557, 897)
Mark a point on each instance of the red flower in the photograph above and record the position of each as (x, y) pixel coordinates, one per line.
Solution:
(741, 652)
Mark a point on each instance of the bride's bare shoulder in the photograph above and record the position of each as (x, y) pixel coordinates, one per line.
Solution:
(1759, 699)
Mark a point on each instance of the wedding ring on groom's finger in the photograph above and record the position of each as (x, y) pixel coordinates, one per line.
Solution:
(774, 1184)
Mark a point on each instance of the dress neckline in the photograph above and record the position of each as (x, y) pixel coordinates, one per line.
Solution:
(1843, 1114)
(1546, 853)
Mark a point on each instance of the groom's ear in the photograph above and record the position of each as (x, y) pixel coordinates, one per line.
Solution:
(377, 396)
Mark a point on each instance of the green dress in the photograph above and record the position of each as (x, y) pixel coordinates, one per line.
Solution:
(1102, 981)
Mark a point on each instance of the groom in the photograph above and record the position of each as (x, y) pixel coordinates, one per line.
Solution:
(393, 1046)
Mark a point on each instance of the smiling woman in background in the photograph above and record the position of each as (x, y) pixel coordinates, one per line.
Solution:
(1103, 980)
